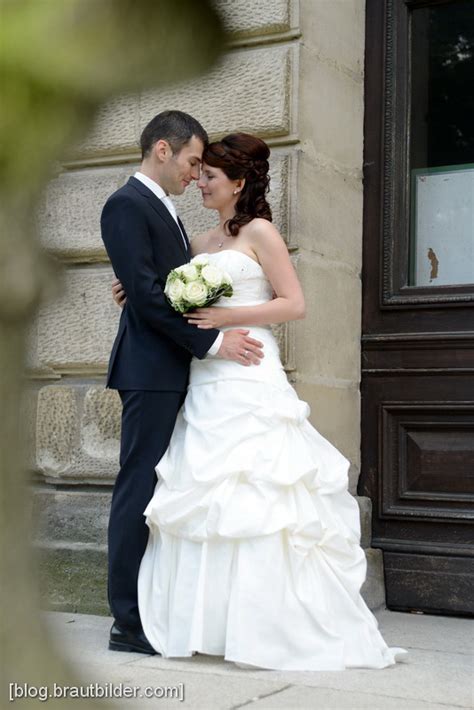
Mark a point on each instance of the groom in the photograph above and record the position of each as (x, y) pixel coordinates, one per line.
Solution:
(149, 363)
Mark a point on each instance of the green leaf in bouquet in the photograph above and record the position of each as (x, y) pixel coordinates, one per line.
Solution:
(179, 306)
(172, 276)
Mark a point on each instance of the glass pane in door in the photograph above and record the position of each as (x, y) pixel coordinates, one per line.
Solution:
(442, 145)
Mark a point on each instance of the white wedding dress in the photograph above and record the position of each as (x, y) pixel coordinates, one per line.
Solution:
(254, 551)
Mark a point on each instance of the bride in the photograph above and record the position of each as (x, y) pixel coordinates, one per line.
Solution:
(253, 552)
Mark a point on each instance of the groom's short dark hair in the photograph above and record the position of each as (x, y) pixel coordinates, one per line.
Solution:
(176, 127)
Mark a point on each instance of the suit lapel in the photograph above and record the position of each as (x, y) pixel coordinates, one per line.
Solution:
(188, 245)
(162, 211)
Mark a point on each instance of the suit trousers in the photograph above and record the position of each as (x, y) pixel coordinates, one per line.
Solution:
(148, 419)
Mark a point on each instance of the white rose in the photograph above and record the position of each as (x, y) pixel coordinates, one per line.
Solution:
(212, 275)
(175, 290)
(226, 278)
(195, 293)
(200, 260)
(188, 272)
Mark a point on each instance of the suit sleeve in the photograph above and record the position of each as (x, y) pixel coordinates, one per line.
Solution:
(127, 241)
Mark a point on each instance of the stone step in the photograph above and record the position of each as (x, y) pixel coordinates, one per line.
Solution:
(69, 514)
(71, 535)
(73, 577)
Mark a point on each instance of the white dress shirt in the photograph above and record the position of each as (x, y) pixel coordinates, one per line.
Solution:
(166, 200)
(161, 195)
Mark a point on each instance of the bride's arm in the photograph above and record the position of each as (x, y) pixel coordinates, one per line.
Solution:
(288, 304)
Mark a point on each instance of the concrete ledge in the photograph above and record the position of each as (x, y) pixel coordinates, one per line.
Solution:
(67, 517)
(73, 577)
(373, 589)
(266, 16)
(71, 530)
(81, 516)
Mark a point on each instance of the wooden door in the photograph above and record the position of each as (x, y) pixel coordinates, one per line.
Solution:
(418, 299)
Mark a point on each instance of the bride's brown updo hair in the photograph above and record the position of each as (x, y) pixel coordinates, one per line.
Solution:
(241, 155)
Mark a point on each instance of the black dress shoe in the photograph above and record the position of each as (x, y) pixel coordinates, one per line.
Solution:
(130, 640)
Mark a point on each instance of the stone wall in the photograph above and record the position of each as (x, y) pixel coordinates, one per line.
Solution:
(293, 75)
(329, 217)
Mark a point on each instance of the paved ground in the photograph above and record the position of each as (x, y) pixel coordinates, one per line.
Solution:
(437, 676)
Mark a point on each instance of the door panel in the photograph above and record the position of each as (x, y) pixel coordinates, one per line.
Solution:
(418, 323)
(433, 583)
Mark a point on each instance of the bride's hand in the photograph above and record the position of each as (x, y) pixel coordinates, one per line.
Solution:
(207, 318)
(118, 294)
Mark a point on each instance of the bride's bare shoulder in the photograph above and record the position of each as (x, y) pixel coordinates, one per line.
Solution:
(261, 230)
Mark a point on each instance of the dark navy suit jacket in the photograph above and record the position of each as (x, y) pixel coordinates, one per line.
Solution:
(154, 343)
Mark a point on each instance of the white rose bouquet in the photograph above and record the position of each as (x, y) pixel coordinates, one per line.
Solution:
(197, 284)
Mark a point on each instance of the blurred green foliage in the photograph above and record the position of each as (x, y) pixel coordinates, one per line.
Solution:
(61, 58)
(59, 61)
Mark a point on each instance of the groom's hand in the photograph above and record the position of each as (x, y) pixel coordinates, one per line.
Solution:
(236, 345)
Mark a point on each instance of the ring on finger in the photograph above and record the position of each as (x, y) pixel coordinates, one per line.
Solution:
(246, 353)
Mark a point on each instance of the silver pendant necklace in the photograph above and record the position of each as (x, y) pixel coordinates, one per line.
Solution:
(221, 241)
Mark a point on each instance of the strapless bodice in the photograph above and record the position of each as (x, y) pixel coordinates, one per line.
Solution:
(251, 286)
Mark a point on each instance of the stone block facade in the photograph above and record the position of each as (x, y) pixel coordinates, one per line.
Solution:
(292, 75)
(82, 192)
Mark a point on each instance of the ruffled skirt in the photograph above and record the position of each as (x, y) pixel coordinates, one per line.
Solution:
(254, 550)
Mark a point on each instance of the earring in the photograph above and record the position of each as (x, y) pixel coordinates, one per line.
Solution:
(235, 192)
